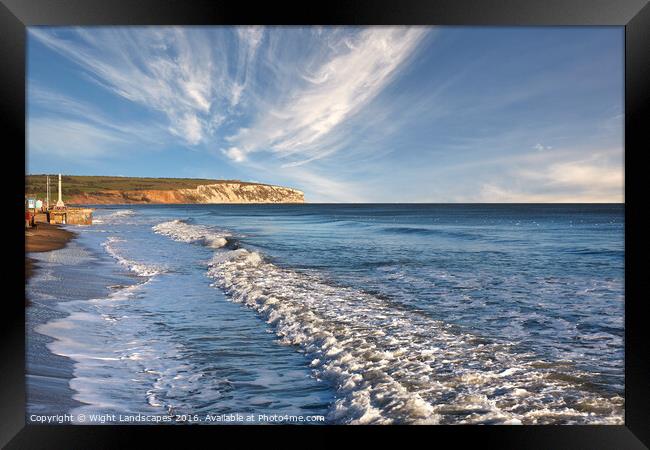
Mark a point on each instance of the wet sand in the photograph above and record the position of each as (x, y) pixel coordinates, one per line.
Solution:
(43, 238)
(48, 375)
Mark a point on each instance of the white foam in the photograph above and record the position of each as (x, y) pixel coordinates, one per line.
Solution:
(393, 365)
(122, 213)
(102, 216)
(141, 269)
(71, 255)
(184, 232)
(100, 369)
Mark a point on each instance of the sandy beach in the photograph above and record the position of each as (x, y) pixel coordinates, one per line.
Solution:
(48, 375)
(44, 238)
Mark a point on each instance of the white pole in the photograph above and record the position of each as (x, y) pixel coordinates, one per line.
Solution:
(59, 203)
(47, 190)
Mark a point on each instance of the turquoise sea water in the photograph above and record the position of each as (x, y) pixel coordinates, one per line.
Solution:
(359, 313)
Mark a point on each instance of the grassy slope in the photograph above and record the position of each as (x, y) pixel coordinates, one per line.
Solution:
(76, 184)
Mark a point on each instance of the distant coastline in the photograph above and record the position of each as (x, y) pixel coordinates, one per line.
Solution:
(102, 190)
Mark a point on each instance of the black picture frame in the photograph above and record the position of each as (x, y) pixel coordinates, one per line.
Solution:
(634, 15)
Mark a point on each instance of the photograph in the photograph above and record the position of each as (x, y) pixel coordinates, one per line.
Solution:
(325, 225)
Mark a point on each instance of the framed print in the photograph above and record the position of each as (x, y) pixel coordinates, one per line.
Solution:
(360, 218)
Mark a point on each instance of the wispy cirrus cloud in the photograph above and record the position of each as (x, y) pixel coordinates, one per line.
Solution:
(70, 138)
(347, 77)
(60, 106)
(249, 40)
(197, 81)
(70, 128)
(193, 77)
(175, 71)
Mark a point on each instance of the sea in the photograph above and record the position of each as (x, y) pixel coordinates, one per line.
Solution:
(334, 314)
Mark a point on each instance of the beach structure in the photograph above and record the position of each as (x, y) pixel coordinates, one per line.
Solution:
(65, 215)
(71, 216)
(59, 202)
(47, 193)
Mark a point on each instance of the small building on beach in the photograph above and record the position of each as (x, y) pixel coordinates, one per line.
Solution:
(71, 216)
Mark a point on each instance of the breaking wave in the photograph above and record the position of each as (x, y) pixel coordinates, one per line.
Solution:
(122, 213)
(181, 231)
(112, 217)
(141, 269)
(394, 365)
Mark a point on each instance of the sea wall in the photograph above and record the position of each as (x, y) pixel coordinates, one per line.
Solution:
(72, 216)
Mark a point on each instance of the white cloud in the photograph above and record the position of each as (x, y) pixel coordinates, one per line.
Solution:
(540, 147)
(70, 139)
(324, 188)
(597, 178)
(188, 127)
(585, 175)
(236, 92)
(249, 40)
(55, 105)
(235, 154)
(194, 79)
(350, 77)
(73, 130)
(169, 70)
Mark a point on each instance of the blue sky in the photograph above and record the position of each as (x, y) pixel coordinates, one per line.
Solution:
(376, 114)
